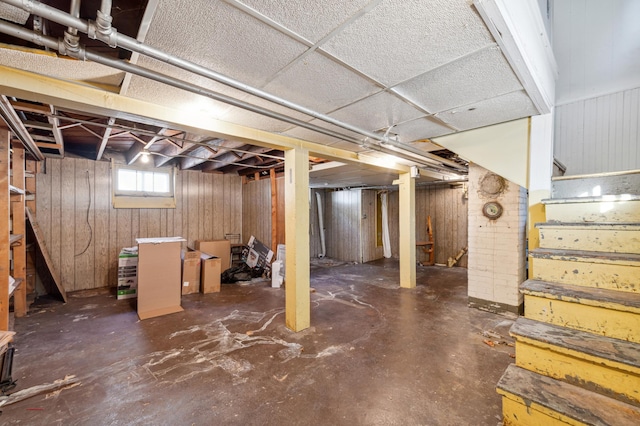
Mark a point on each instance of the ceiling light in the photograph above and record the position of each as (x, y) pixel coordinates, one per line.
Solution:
(145, 157)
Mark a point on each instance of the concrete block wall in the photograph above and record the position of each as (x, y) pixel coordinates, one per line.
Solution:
(497, 256)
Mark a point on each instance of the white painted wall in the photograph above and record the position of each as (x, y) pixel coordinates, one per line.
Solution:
(597, 47)
(600, 134)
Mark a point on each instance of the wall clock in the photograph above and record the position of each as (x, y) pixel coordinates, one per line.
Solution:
(492, 210)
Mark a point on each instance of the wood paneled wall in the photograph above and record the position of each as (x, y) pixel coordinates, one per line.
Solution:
(257, 205)
(449, 218)
(342, 225)
(350, 221)
(84, 233)
(600, 134)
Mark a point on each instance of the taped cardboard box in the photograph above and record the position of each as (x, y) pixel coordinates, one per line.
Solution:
(190, 272)
(159, 276)
(210, 278)
(217, 248)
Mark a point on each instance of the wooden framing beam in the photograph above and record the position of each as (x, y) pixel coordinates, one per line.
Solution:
(407, 228)
(105, 138)
(5, 138)
(274, 211)
(65, 94)
(297, 286)
(19, 253)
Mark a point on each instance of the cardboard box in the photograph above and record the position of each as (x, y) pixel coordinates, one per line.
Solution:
(190, 272)
(159, 276)
(217, 248)
(127, 274)
(210, 278)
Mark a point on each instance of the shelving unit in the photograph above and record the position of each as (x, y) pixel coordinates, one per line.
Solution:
(12, 229)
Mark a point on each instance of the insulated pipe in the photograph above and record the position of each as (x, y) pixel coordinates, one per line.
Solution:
(113, 39)
(84, 54)
(323, 247)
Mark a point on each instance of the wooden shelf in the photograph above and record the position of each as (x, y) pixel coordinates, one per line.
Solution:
(14, 238)
(14, 286)
(16, 190)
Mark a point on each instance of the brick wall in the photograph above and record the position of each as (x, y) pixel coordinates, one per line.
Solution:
(497, 261)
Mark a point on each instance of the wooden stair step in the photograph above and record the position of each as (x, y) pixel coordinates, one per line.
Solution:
(615, 271)
(533, 399)
(601, 237)
(608, 208)
(594, 310)
(623, 182)
(598, 363)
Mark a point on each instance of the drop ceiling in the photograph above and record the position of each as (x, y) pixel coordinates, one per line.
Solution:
(409, 69)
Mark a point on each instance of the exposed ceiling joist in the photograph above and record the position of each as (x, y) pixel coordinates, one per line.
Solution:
(30, 86)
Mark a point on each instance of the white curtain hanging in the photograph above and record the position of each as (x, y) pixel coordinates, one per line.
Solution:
(386, 241)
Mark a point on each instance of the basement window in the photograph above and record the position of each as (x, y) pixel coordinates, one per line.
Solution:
(136, 187)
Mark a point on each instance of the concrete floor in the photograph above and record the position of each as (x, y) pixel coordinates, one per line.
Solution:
(375, 355)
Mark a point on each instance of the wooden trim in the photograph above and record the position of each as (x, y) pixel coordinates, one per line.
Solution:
(274, 211)
(5, 138)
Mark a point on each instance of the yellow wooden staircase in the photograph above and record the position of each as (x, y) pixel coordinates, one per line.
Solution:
(578, 343)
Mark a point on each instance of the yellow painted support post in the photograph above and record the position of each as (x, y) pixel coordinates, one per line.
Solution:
(407, 217)
(296, 192)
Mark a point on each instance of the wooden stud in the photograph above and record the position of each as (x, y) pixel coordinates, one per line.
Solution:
(274, 211)
(298, 300)
(4, 228)
(19, 252)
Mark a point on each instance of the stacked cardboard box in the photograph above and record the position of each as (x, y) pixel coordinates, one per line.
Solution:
(127, 273)
(190, 272)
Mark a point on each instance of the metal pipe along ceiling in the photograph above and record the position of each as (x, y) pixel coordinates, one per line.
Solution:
(82, 53)
(113, 39)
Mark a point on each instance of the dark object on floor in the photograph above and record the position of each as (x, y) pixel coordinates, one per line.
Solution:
(6, 382)
(241, 272)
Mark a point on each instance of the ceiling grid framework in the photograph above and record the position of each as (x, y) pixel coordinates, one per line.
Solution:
(411, 69)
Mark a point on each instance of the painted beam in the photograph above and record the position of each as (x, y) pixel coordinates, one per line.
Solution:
(296, 192)
(407, 227)
(34, 87)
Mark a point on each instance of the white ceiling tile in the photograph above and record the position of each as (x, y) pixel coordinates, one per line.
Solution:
(376, 112)
(221, 37)
(471, 79)
(320, 84)
(422, 128)
(400, 39)
(62, 67)
(311, 19)
(492, 111)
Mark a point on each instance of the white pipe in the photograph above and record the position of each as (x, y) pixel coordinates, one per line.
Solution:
(110, 36)
(323, 251)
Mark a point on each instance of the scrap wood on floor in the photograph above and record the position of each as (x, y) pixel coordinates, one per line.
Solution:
(61, 384)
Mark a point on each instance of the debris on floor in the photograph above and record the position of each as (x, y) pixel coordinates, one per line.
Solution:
(56, 387)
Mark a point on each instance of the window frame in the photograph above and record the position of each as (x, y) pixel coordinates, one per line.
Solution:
(143, 199)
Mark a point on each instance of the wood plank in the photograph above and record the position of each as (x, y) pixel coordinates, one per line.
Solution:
(153, 220)
(19, 252)
(54, 243)
(43, 248)
(102, 202)
(207, 216)
(67, 239)
(177, 214)
(192, 213)
(84, 224)
(218, 209)
(5, 138)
